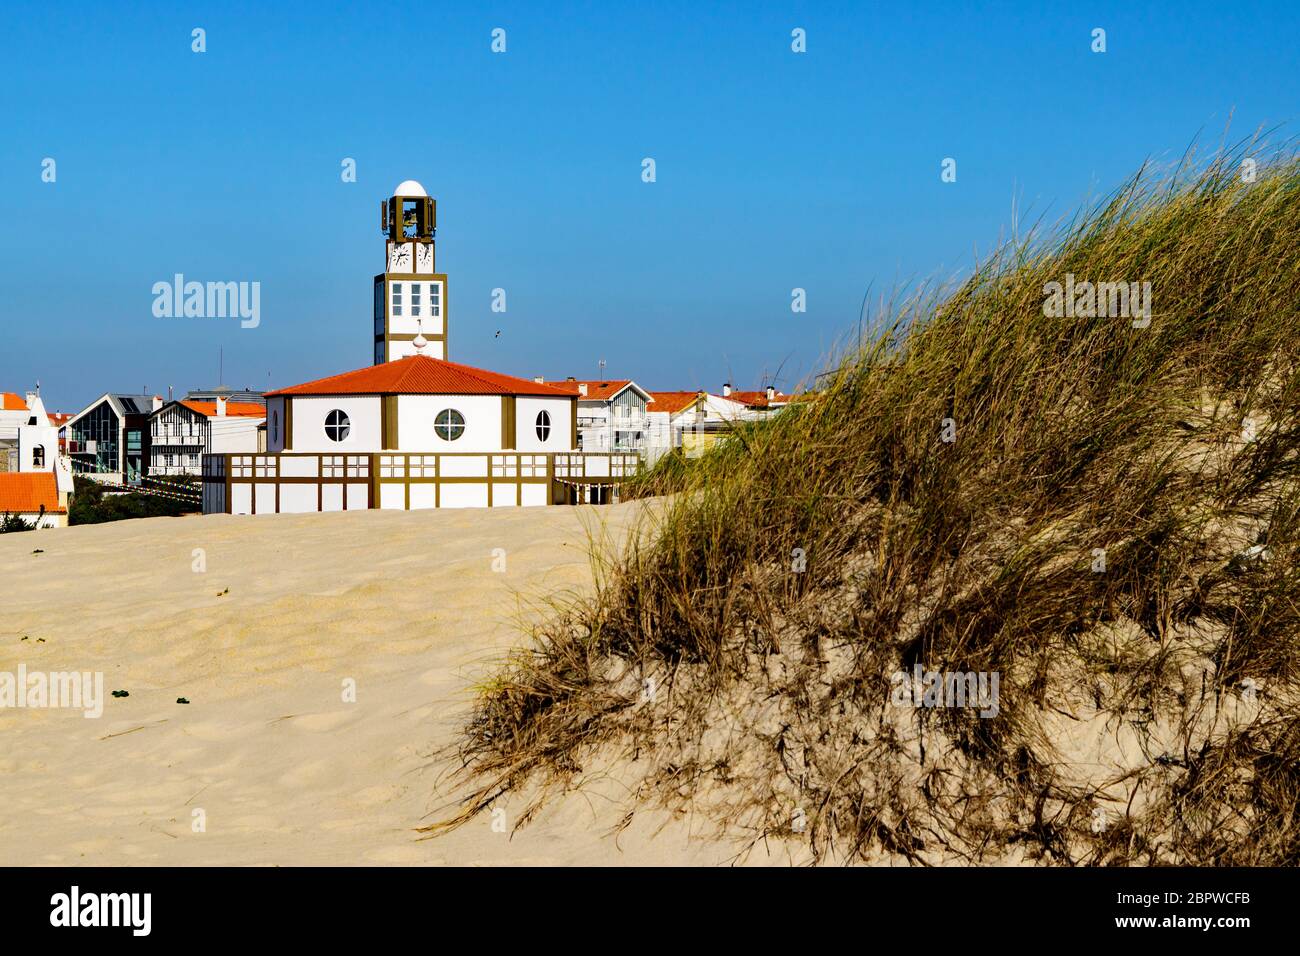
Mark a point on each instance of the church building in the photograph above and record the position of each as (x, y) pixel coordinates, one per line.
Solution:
(414, 430)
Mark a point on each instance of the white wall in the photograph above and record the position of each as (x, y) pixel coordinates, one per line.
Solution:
(561, 412)
(297, 498)
(464, 496)
(309, 413)
(10, 419)
(415, 415)
(405, 324)
(29, 436)
(400, 348)
(535, 495)
(230, 434)
(49, 521)
(724, 408)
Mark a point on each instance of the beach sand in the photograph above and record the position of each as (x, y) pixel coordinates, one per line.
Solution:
(261, 643)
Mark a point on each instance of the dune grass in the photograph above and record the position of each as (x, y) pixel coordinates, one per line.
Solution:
(1106, 516)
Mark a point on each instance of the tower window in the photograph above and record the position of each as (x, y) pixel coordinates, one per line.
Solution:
(410, 218)
(543, 425)
(38, 456)
(337, 425)
(275, 427)
(435, 294)
(416, 303)
(449, 424)
(397, 298)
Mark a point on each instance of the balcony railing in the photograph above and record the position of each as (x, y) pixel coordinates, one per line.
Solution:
(195, 441)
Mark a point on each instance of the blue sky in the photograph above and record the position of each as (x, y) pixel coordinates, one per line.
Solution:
(775, 170)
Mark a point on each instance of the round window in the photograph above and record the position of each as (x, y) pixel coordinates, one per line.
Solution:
(543, 425)
(337, 425)
(449, 424)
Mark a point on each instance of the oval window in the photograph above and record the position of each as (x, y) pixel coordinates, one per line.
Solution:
(543, 426)
(337, 425)
(275, 427)
(449, 424)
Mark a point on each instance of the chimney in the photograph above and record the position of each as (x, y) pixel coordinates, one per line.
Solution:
(771, 393)
(569, 379)
(726, 389)
(539, 380)
(31, 399)
(157, 402)
(582, 389)
(221, 407)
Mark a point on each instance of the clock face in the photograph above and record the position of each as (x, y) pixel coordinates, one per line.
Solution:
(424, 257)
(399, 257)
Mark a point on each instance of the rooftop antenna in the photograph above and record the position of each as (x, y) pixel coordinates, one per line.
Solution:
(602, 370)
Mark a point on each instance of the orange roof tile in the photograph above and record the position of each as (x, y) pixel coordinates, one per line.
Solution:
(606, 389)
(758, 399)
(421, 375)
(672, 402)
(10, 402)
(24, 492)
(233, 409)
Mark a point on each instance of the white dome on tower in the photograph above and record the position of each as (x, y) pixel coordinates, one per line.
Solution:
(409, 187)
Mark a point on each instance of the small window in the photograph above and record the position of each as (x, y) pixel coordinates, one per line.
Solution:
(449, 424)
(275, 426)
(397, 298)
(543, 426)
(337, 425)
(416, 303)
(435, 294)
(38, 456)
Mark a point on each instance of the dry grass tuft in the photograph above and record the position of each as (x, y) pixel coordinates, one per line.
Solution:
(1147, 712)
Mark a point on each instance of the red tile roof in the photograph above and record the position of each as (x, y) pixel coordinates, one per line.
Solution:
(59, 419)
(421, 375)
(24, 492)
(605, 389)
(672, 401)
(233, 409)
(758, 399)
(10, 402)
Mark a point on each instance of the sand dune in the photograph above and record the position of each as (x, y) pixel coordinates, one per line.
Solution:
(260, 643)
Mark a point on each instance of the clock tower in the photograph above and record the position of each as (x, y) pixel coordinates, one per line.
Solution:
(410, 297)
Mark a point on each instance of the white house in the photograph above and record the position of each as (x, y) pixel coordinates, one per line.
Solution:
(612, 415)
(182, 431)
(414, 430)
(17, 411)
(757, 405)
(35, 482)
(692, 421)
